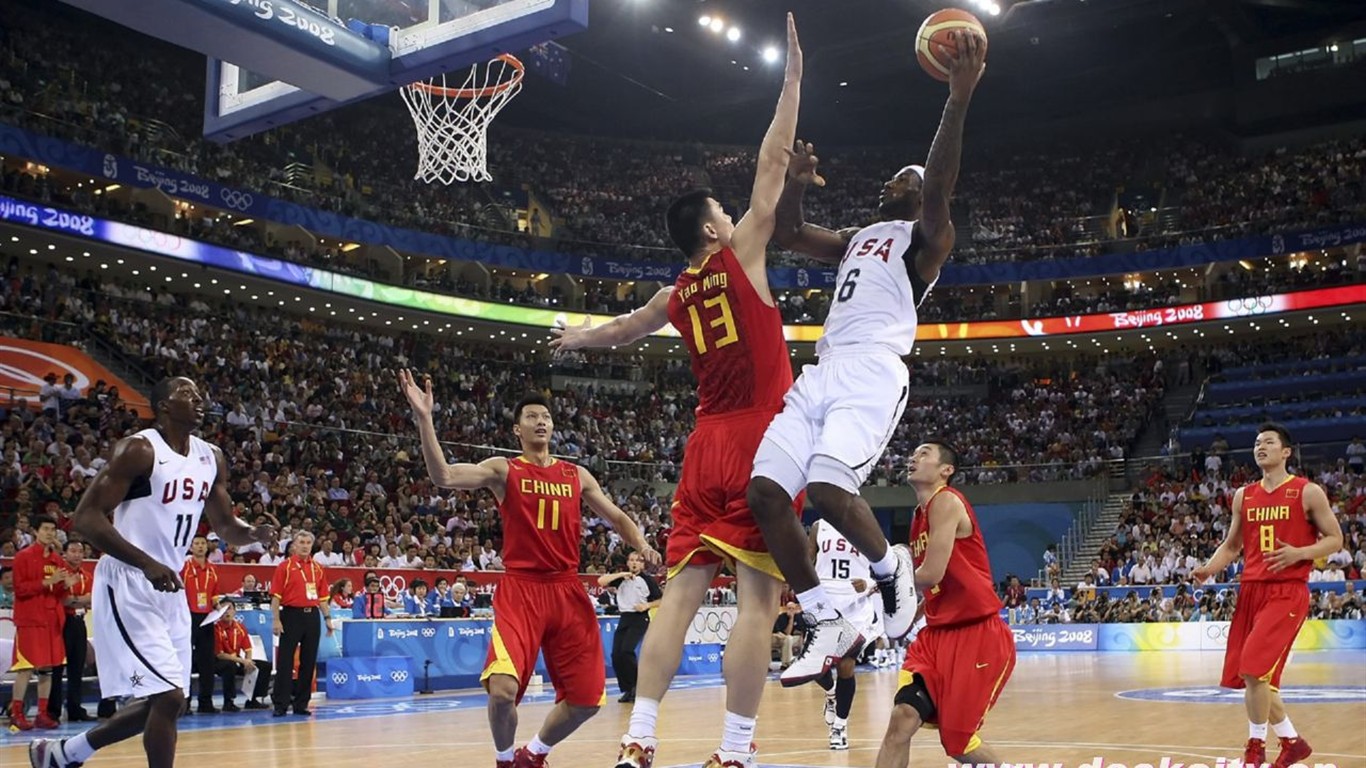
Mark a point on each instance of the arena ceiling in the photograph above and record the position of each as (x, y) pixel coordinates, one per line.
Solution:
(1049, 58)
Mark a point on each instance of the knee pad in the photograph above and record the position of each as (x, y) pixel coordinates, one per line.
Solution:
(915, 695)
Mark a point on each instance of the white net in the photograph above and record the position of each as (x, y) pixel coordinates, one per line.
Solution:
(453, 122)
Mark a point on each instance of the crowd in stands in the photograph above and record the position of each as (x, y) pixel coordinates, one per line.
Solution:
(314, 433)
(143, 99)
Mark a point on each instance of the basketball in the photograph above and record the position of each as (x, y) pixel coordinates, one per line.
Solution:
(935, 33)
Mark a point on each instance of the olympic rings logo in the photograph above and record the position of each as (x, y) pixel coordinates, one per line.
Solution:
(429, 632)
(1251, 305)
(339, 678)
(238, 201)
(398, 675)
(158, 242)
(392, 586)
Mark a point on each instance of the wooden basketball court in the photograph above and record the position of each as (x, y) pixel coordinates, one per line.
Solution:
(1060, 707)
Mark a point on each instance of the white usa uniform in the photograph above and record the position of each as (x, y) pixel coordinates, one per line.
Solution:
(142, 636)
(838, 564)
(840, 414)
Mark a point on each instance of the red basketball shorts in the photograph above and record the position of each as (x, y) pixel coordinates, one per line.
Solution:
(1266, 620)
(554, 618)
(964, 669)
(38, 647)
(711, 518)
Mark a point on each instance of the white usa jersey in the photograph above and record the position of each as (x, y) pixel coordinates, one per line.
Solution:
(161, 512)
(875, 304)
(838, 563)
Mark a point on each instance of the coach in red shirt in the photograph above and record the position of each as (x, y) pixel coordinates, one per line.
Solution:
(76, 602)
(298, 590)
(40, 583)
(201, 586)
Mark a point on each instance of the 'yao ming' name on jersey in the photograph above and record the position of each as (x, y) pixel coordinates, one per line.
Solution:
(161, 512)
(875, 303)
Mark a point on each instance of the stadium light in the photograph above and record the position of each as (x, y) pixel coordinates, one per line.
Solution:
(704, 21)
(717, 25)
(771, 55)
(733, 34)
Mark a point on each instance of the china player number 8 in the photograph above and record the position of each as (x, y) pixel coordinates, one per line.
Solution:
(1267, 538)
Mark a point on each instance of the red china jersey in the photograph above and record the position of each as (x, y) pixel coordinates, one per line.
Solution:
(540, 509)
(34, 604)
(739, 355)
(1272, 516)
(967, 592)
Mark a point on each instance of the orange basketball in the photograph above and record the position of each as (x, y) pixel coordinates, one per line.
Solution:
(935, 33)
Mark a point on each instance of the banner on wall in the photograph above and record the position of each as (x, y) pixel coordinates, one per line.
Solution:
(175, 247)
(1316, 635)
(394, 581)
(117, 169)
(24, 363)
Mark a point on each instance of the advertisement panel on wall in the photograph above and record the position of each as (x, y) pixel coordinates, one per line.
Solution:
(173, 246)
(1316, 635)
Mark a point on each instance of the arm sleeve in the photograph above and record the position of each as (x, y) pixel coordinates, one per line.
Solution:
(28, 576)
(278, 580)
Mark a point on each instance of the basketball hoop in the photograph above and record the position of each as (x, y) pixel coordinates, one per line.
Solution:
(453, 123)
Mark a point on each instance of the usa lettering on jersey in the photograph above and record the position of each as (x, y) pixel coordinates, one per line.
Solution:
(184, 490)
(875, 304)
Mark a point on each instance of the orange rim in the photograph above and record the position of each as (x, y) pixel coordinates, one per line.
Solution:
(518, 70)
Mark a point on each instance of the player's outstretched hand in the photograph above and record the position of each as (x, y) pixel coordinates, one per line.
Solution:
(1202, 574)
(801, 164)
(568, 337)
(967, 62)
(262, 534)
(650, 556)
(163, 579)
(794, 51)
(420, 398)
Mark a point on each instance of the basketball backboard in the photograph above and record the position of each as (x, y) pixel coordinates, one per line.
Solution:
(425, 38)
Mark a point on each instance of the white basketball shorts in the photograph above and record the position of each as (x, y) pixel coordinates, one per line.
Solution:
(836, 421)
(142, 636)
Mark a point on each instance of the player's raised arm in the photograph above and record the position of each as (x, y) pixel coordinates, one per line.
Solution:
(1230, 548)
(218, 508)
(946, 513)
(621, 522)
(1330, 532)
(489, 473)
(622, 329)
(752, 233)
(941, 168)
(131, 459)
(790, 228)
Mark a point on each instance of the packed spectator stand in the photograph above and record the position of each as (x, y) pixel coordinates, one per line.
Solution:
(1013, 206)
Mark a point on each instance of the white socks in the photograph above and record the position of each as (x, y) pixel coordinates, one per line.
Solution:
(77, 749)
(1255, 731)
(1285, 729)
(817, 603)
(738, 734)
(886, 566)
(644, 715)
(504, 756)
(538, 747)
